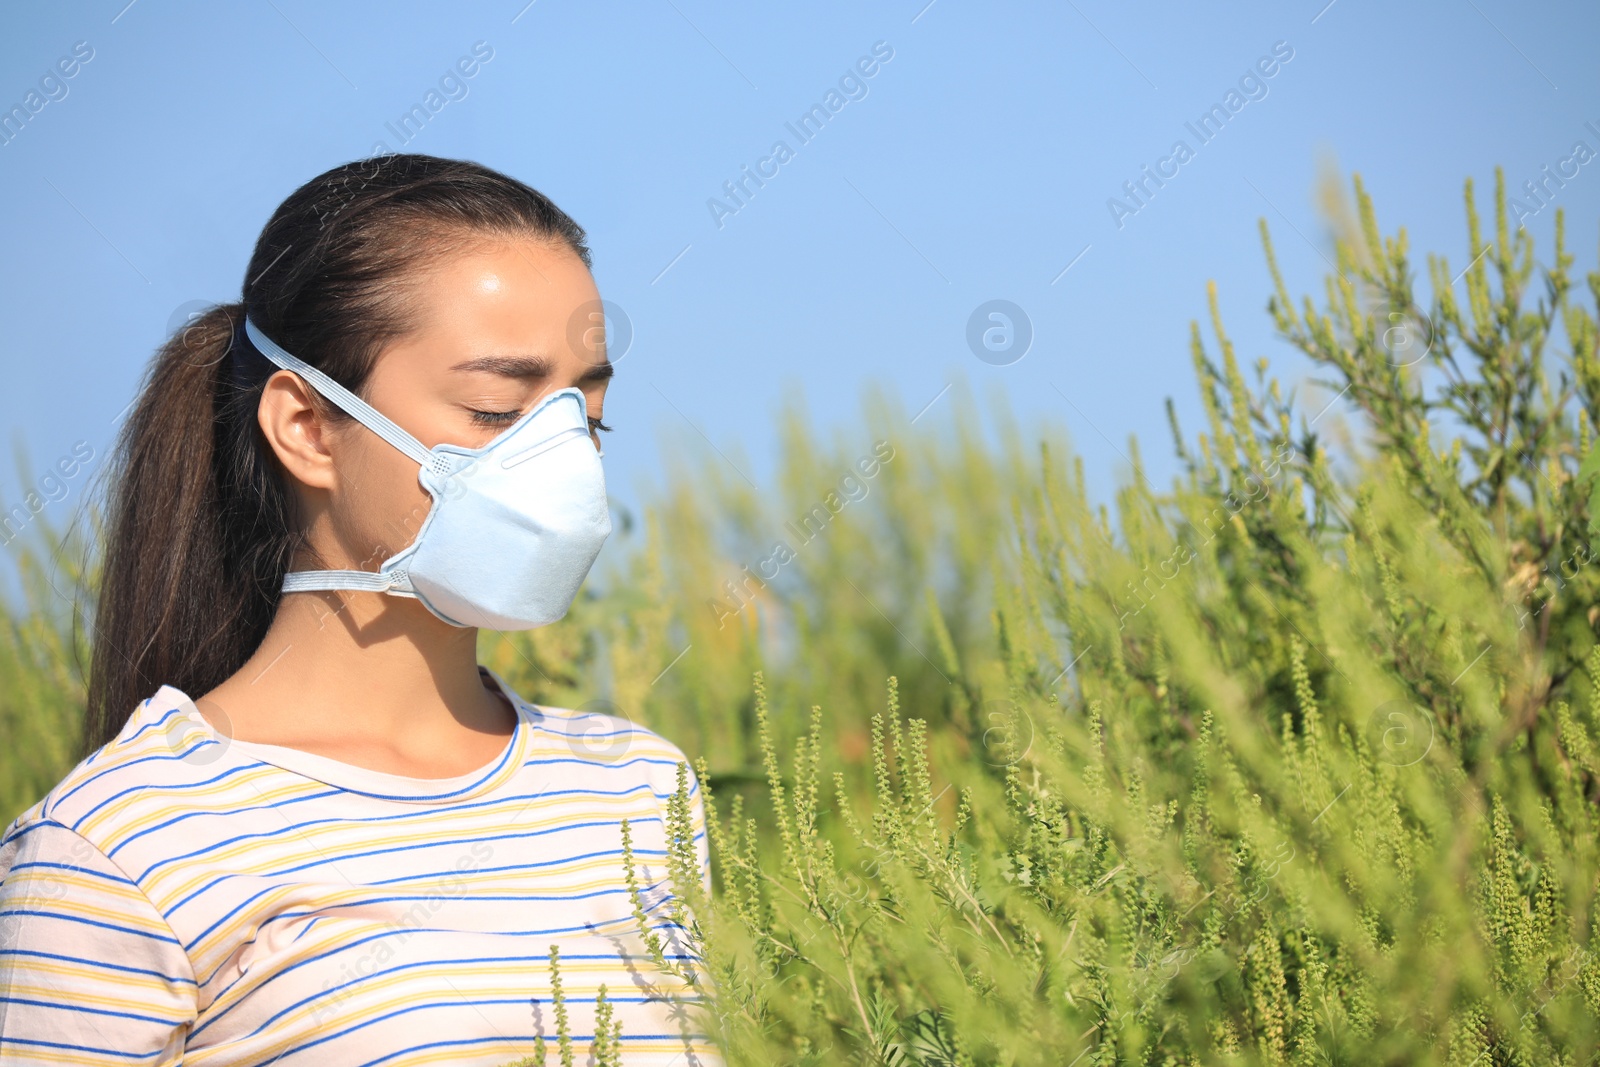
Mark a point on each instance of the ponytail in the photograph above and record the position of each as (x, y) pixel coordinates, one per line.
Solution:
(186, 593)
(201, 523)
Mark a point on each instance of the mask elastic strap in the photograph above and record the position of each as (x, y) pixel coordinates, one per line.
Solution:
(376, 582)
(353, 405)
(374, 420)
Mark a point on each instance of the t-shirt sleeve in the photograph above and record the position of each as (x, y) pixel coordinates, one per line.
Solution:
(90, 972)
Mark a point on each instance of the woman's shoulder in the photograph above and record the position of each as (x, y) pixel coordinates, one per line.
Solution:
(601, 732)
(160, 746)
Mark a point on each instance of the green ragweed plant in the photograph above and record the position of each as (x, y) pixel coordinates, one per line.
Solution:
(1290, 763)
(606, 1047)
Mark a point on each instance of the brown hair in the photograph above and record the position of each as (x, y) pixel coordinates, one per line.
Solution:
(200, 526)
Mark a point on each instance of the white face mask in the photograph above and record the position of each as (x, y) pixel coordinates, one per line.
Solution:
(514, 526)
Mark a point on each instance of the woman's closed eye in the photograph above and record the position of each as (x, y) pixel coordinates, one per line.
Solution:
(506, 418)
(495, 418)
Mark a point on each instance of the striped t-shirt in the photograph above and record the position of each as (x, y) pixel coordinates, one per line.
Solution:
(184, 897)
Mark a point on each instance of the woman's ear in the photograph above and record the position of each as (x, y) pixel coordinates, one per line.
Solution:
(295, 431)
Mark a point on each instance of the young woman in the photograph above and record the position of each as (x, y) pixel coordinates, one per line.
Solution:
(311, 828)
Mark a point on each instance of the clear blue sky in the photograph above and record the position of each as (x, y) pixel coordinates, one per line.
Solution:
(976, 163)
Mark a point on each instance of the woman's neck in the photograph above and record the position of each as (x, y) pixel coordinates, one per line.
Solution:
(367, 679)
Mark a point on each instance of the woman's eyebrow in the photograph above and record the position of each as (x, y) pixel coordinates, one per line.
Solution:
(522, 367)
(507, 366)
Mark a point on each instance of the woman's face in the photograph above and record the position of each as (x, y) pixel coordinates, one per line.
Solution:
(498, 329)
